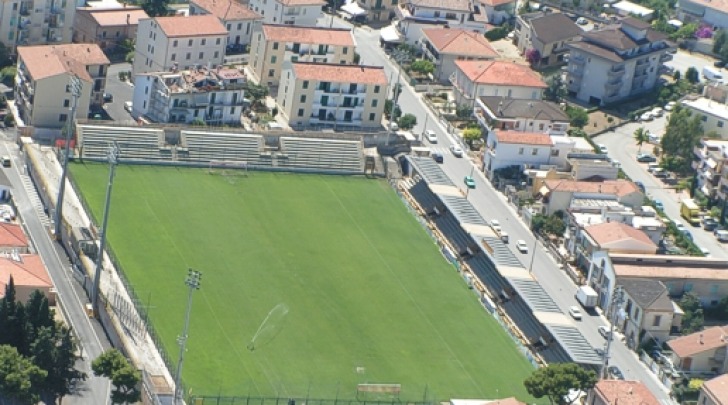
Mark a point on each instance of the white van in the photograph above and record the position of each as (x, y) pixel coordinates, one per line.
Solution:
(721, 235)
(711, 74)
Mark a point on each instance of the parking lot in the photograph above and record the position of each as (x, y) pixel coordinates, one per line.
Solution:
(121, 91)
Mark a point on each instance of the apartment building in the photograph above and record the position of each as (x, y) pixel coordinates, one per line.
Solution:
(473, 79)
(36, 22)
(714, 391)
(546, 34)
(274, 45)
(165, 43)
(213, 96)
(616, 62)
(614, 392)
(45, 71)
(525, 115)
(711, 168)
(713, 13)
(561, 192)
(339, 96)
(506, 148)
(415, 15)
(106, 27)
(647, 312)
(443, 46)
(378, 10)
(237, 18)
(713, 114)
(303, 13)
(701, 352)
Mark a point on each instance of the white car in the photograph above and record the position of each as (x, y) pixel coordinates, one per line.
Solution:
(670, 106)
(582, 21)
(431, 136)
(521, 246)
(575, 312)
(604, 331)
(456, 150)
(603, 148)
(657, 112)
(496, 225)
(127, 106)
(647, 116)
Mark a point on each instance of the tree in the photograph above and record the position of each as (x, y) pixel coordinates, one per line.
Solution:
(691, 74)
(12, 319)
(533, 56)
(556, 89)
(5, 60)
(694, 319)
(38, 314)
(155, 8)
(641, 135)
(422, 66)
(705, 31)
(676, 75)
(407, 121)
(256, 92)
(719, 40)
(578, 117)
(114, 366)
(19, 377)
(682, 134)
(463, 111)
(388, 110)
(684, 32)
(497, 33)
(54, 351)
(549, 225)
(557, 379)
(472, 134)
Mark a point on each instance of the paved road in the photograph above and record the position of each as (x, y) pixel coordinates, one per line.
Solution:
(623, 148)
(491, 204)
(122, 91)
(682, 60)
(94, 390)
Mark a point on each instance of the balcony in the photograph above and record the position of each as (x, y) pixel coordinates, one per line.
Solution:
(576, 73)
(578, 60)
(612, 85)
(614, 73)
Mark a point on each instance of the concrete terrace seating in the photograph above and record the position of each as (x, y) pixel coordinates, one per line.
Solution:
(204, 146)
(321, 154)
(451, 229)
(427, 200)
(135, 143)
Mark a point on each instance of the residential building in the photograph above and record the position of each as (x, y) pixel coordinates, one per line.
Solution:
(237, 18)
(513, 148)
(647, 311)
(275, 44)
(711, 167)
(614, 392)
(589, 166)
(36, 22)
(626, 8)
(379, 10)
(338, 96)
(613, 237)
(525, 115)
(46, 70)
(713, 114)
(443, 46)
(616, 62)
(559, 193)
(29, 274)
(545, 35)
(714, 13)
(415, 15)
(13, 239)
(701, 352)
(166, 43)
(107, 28)
(473, 79)
(498, 11)
(714, 391)
(303, 13)
(214, 96)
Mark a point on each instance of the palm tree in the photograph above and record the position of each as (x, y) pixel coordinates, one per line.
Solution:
(641, 135)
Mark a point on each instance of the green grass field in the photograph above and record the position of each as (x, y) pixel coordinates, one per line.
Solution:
(358, 291)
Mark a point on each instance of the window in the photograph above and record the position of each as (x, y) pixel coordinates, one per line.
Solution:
(555, 153)
(63, 117)
(305, 84)
(217, 54)
(656, 320)
(189, 43)
(704, 118)
(376, 89)
(229, 27)
(204, 42)
(688, 287)
(275, 45)
(374, 103)
(372, 116)
(345, 50)
(300, 112)
(540, 127)
(714, 289)
(303, 98)
(520, 151)
(189, 55)
(202, 55)
(534, 152)
(217, 42)
(66, 103)
(232, 110)
(720, 124)
(273, 59)
(174, 57)
(240, 26)
(271, 73)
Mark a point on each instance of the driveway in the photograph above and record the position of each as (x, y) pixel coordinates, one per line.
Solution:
(122, 92)
(622, 147)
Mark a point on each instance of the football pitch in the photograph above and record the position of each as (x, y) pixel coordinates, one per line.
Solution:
(310, 285)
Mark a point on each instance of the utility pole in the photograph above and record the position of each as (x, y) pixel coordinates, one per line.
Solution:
(617, 299)
(395, 97)
(75, 87)
(193, 282)
(113, 161)
(533, 256)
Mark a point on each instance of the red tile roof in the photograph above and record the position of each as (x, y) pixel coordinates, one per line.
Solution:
(324, 72)
(117, 16)
(495, 3)
(609, 232)
(525, 138)
(302, 2)
(619, 188)
(227, 10)
(29, 272)
(44, 61)
(625, 393)
(12, 235)
(500, 73)
(717, 389)
(192, 26)
(460, 42)
(308, 35)
(699, 342)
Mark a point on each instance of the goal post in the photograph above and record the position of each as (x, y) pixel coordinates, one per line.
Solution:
(228, 167)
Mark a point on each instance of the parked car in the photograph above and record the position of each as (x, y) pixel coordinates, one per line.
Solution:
(647, 116)
(603, 148)
(469, 182)
(719, 64)
(604, 331)
(657, 112)
(456, 150)
(431, 136)
(575, 312)
(615, 372)
(437, 157)
(495, 224)
(108, 97)
(659, 205)
(640, 186)
(646, 158)
(582, 21)
(670, 106)
(521, 246)
(127, 106)
(660, 173)
(704, 251)
(709, 224)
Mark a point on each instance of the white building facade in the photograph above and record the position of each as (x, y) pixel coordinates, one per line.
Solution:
(415, 15)
(512, 148)
(303, 13)
(473, 79)
(36, 22)
(237, 18)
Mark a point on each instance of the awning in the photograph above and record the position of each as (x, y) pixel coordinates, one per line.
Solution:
(353, 8)
(390, 34)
